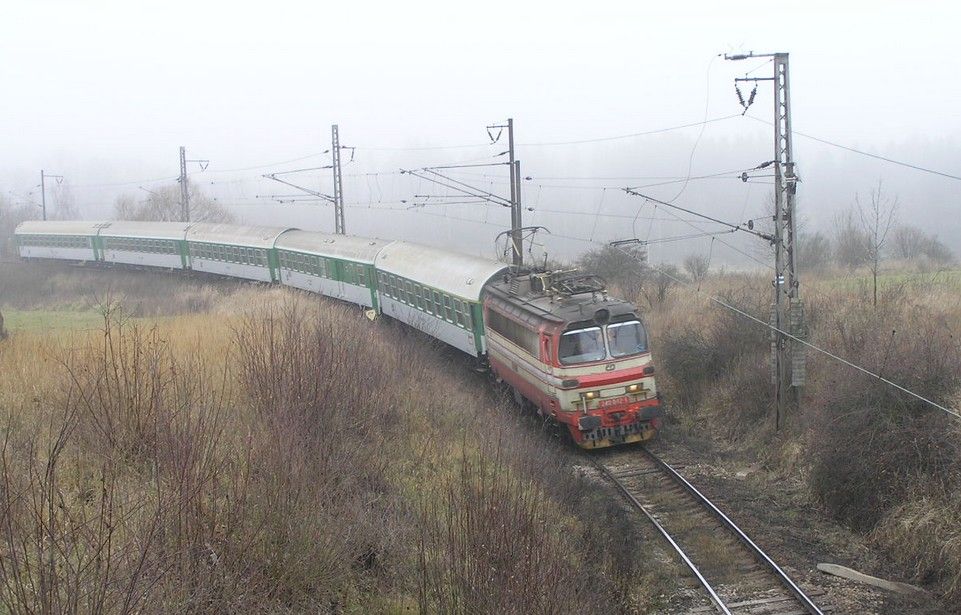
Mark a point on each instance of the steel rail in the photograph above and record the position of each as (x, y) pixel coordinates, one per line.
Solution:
(677, 548)
(785, 580)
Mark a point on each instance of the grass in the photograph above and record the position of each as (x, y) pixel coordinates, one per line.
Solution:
(42, 321)
(267, 452)
(874, 459)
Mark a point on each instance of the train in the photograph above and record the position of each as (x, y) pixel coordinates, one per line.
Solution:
(564, 347)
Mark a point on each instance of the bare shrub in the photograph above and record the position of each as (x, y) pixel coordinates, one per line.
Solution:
(496, 545)
(333, 406)
(697, 266)
(712, 345)
(657, 284)
(78, 534)
(875, 442)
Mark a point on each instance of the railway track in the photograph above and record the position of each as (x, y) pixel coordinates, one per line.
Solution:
(737, 575)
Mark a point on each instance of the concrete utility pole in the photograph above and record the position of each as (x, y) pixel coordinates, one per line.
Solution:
(787, 313)
(43, 189)
(339, 227)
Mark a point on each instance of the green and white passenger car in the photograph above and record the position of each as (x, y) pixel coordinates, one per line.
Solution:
(436, 291)
(149, 244)
(238, 251)
(339, 266)
(72, 241)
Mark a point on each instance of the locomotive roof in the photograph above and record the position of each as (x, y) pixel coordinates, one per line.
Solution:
(452, 272)
(59, 227)
(233, 234)
(360, 249)
(150, 230)
(557, 308)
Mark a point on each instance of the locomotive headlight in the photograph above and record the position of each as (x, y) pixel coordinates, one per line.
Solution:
(633, 388)
(590, 395)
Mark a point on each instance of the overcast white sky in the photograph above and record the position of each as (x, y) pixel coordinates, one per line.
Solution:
(105, 92)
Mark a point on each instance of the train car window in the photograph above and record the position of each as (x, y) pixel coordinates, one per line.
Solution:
(458, 313)
(582, 346)
(626, 338)
(514, 332)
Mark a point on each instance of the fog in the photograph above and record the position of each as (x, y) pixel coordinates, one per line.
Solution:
(104, 93)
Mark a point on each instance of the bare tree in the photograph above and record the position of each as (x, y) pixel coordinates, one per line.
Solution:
(877, 219)
(10, 216)
(658, 283)
(813, 251)
(697, 266)
(910, 243)
(163, 205)
(850, 241)
(63, 205)
(624, 266)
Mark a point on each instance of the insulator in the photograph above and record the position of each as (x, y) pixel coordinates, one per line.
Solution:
(750, 100)
(740, 97)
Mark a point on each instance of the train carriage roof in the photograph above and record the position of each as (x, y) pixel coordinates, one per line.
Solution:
(146, 230)
(233, 234)
(59, 227)
(347, 247)
(454, 273)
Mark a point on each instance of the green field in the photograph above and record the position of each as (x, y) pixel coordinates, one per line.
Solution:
(886, 279)
(35, 321)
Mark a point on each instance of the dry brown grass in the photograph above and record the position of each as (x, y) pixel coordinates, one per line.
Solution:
(877, 460)
(275, 453)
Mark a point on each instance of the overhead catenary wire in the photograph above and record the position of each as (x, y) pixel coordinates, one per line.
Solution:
(737, 227)
(863, 153)
(555, 143)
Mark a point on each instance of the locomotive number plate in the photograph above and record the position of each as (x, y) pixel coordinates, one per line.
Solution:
(616, 401)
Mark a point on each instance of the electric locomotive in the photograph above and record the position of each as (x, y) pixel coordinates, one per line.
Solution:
(575, 354)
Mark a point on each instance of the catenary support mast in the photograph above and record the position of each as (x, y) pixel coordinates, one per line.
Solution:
(339, 226)
(787, 313)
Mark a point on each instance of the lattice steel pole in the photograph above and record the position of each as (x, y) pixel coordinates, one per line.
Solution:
(339, 226)
(787, 313)
(184, 192)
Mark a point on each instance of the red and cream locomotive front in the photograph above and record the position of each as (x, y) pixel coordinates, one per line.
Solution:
(584, 362)
(606, 394)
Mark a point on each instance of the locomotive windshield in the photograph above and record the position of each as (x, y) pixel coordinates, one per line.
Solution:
(587, 345)
(582, 346)
(626, 338)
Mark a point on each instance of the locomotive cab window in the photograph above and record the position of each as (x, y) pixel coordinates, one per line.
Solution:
(626, 338)
(582, 346)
